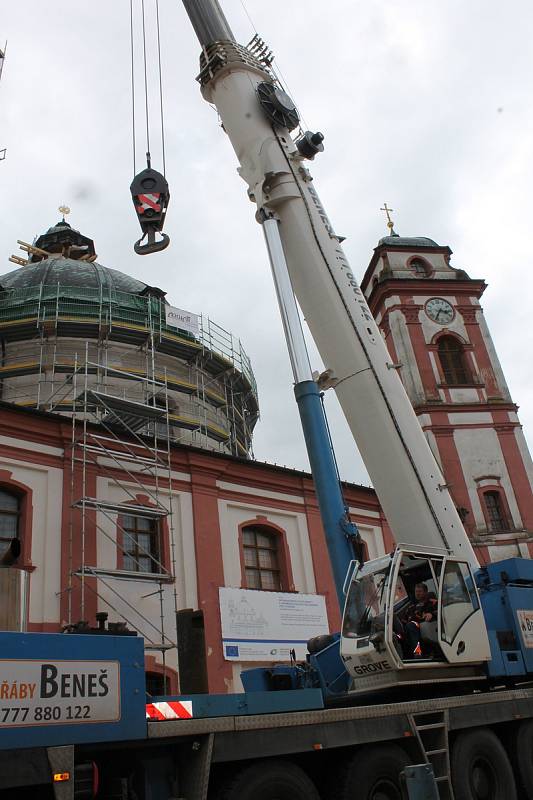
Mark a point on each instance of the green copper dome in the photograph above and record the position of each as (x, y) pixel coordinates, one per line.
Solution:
(66, 258)
(72, 273)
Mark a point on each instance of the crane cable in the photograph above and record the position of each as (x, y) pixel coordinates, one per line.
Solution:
(132, 87)
(149, 188)
(148, 157)
(160, 86)
(145, 75)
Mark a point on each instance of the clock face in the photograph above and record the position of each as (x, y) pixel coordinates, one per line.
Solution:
(439, 310)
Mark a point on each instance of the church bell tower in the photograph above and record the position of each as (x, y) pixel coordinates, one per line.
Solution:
(433, 324)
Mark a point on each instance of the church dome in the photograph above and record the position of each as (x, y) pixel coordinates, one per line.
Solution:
(63, 314)
(64, 257)
(72, 273)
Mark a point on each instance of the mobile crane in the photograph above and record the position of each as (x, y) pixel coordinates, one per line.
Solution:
(466, 641)
(73, 719)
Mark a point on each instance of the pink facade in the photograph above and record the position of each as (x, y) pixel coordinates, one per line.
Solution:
(214, 498)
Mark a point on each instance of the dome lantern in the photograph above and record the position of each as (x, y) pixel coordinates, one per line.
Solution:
(63, 240)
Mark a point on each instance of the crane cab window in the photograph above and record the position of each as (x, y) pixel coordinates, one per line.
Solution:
(459, 599)
(364, 612)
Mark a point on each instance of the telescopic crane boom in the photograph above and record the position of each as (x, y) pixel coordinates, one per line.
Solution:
(400, 463)
(258, 117)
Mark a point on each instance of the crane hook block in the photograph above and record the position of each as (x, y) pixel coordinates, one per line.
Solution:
(150, 193)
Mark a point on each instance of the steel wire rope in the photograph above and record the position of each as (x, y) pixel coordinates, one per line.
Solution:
(148, 158)
(160, 85)
(250, 20)
(132, 86)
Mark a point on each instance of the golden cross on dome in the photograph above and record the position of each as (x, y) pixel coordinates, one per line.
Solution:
(64, 210)
(387, 210)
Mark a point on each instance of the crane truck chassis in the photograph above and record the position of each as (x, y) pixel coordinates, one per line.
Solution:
(74, 725)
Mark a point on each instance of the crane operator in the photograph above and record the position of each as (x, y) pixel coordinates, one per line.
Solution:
(425, 610)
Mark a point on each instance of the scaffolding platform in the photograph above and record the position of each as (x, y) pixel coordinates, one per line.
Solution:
(124, 574)
(121, 508)
(120, 412)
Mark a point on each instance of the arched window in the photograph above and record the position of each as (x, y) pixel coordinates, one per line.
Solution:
(452, 361)
(140, 544)
(9, 520)
(496, 513)
(419, 267)
(261, 558)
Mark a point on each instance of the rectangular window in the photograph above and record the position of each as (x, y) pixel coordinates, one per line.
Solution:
(141, 544)
(9, 517)
(261, 559)
(452, 361)
(495, 512)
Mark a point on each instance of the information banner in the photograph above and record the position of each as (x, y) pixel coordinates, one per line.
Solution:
(58, 692)
(177, 318)
(266, 626)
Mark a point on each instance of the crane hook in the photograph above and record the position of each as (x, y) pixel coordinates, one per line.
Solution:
(151, 195)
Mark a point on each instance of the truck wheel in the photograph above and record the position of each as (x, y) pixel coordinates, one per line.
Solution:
(523, 756)
(269, 780)
(480, 768)
(372, 774)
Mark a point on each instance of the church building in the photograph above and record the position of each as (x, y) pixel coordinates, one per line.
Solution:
(127, 482)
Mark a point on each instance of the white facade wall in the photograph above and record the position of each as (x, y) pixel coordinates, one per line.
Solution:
(136, 600)
(406, 356)
(232, 514)
(480, 455)
(494, 360)
(46, 484)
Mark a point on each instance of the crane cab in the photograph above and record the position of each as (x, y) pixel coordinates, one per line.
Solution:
(378, 643)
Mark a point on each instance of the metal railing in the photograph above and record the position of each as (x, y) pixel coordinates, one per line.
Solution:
(105, 306)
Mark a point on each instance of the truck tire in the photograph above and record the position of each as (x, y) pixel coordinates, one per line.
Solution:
(523, 756)
(480, 767)
(372, 773)
(269, 780)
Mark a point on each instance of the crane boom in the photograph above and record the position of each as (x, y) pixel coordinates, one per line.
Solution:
(403, 470)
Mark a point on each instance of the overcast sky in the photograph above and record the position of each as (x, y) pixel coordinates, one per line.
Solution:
(426, 105)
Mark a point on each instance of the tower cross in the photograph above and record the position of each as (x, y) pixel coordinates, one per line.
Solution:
(387, 210)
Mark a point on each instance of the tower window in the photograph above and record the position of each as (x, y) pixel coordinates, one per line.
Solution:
(497, 518)
(141, 544)
(261, 559)
(452, 361)
(419, 267)
(9, 520)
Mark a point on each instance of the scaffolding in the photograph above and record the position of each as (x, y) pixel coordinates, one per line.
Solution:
(212, 390)
(126, 442)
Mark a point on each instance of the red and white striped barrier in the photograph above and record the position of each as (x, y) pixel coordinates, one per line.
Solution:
(169, 710)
